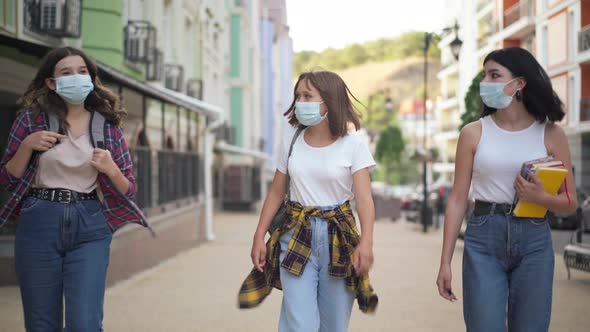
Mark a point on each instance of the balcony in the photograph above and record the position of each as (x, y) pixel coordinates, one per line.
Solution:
(450, 126)
(487, 27)
(585, 109)
(481, 4)
(584, 39)
(519, 20)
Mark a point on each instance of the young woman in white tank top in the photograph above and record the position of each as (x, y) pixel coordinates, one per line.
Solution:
(507, 261)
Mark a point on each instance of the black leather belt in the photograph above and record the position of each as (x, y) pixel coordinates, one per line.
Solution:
(60, 195)
(482, 208)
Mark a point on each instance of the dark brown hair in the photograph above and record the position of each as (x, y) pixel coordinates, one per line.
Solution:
(39, 98)
(538, 96)
(336, 96)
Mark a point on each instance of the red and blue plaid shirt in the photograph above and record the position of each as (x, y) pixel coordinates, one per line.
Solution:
(119, 208)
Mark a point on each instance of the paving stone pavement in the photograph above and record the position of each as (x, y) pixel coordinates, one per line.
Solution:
(197, 289)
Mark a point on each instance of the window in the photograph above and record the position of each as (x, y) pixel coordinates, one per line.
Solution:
(557, 40)
(560, 86)
(8, 15)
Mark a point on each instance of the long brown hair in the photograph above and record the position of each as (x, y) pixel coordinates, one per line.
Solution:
(39, 98)
(336, 95)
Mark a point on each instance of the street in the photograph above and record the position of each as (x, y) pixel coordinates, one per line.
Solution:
(197, 290)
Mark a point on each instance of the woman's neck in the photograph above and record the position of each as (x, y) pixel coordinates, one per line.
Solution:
(75, 111)
(320, 131)
(514, 117)
(319, 135)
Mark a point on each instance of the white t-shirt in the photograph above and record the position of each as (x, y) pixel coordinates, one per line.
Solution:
(323, 176)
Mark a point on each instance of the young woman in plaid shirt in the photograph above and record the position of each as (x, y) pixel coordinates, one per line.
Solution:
(316, 256)
(64, 232)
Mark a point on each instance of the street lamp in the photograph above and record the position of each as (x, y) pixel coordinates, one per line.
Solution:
(426, 211)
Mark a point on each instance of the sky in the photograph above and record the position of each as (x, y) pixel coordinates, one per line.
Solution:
(318, 24)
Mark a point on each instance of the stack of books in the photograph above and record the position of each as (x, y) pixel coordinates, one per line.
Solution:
(552, 173)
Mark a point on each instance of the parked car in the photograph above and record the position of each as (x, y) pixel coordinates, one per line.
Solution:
(564, 221)
(573, 220)
(438, 195)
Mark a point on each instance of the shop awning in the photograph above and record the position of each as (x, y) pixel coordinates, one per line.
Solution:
(167, 95)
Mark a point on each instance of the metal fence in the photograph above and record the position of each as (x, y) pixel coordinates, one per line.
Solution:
(165, 176)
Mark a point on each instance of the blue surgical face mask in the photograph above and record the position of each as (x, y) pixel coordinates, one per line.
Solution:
(308, 113)
(492, 94)
(74, 88)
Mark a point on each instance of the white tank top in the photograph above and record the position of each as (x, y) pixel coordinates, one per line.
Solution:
(499, 157)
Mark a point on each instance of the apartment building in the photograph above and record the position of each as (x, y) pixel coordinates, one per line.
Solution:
(190, 76)
(557, 32)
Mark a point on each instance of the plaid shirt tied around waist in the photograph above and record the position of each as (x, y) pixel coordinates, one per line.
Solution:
(343, 238)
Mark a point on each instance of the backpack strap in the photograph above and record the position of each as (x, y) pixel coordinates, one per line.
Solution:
(97, 128)
(299, 130)
(53, 122)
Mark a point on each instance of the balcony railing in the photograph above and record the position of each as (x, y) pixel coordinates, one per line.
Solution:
(584, 39)
(488, 26)
(481, 4)
(585, 109)
(449, 127)
(517, 11)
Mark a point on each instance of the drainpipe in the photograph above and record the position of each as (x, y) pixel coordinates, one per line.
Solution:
(208, 163)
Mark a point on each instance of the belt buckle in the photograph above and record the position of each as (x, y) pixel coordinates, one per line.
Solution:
(510, 210)
(67, 200)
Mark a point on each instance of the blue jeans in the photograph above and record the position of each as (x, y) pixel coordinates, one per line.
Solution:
(314, 301)
(507, 274)
(62, 250)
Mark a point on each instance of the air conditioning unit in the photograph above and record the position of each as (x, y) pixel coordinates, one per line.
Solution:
(140, 40)
(59, 18)
(154, 66)
(194, 88)
(226, 133)
(230, 135)
(174, 77)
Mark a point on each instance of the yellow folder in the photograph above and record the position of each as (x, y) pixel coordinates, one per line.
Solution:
(552, 179)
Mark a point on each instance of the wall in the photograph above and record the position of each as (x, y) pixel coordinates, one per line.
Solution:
(102, 18)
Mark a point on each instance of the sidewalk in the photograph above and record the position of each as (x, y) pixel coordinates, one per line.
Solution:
(197, 290)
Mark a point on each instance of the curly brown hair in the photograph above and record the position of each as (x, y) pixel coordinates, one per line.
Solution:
(39, 98)
(337, 97)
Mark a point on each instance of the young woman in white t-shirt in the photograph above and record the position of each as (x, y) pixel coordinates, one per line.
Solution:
(328, 167)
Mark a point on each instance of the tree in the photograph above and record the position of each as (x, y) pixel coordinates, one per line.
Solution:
(472, 102)
(409, 44)
(389, 149)
(355, 54)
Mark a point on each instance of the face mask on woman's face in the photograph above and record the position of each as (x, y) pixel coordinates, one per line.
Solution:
(308, 113)
(492, 94)
(74, 88)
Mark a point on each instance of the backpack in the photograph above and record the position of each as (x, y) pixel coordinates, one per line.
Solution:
(97, 128)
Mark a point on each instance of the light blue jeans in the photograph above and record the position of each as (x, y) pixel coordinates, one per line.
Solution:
(507, 274)
(314, 301)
